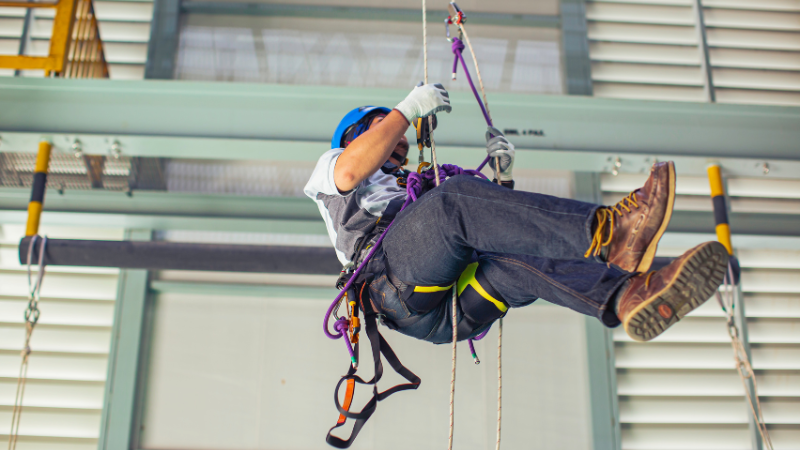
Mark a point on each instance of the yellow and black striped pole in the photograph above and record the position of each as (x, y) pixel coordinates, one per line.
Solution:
(720, 207)
(37, 191)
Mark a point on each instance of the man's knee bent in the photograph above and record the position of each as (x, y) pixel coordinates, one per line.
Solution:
(479, 300)
(461, 183)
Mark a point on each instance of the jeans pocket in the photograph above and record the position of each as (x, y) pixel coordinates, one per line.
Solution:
(386, 297)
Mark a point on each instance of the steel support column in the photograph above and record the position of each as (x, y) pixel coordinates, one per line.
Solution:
(116, 429)
(575, 48)
(25, 37)
(162, 48)
(705, 59)
(600, 351)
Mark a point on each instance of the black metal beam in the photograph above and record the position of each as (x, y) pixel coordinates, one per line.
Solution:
(184, 256)
(360, 13)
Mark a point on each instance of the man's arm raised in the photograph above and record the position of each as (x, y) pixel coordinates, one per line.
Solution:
(367, 153)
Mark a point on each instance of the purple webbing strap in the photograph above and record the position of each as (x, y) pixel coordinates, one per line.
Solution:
(414, 188)
(458, 48)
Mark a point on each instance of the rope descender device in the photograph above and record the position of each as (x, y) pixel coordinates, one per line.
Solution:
(424, 132)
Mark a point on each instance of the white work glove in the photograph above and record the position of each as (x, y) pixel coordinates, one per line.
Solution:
(499, 147)
(423, 101)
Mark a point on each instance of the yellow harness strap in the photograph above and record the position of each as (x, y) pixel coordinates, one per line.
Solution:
(429, 289)
(467, 278)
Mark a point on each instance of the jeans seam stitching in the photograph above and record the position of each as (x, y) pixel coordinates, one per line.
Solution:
(580, 296)
(511, 203)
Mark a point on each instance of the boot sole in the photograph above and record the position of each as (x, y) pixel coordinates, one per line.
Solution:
(698, 277)
(650, 253)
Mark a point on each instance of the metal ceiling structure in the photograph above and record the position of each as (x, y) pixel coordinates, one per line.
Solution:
(270, 122)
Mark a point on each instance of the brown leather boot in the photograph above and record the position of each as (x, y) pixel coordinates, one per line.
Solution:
(655, 301)
(628, 232)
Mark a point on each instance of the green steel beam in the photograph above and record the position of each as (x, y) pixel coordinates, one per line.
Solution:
(116, 428)
(606, 432)
(166, 222)
(302, 151)
(360, 13)
(745, 223)
(243, 290)
(309, 113)
(168, 204)
(292, 215)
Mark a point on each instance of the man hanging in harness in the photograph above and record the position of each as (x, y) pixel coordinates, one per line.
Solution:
(500, 248)
(504, 248)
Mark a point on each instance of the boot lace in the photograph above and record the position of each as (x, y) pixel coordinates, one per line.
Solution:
(605, 223)
(647, 280)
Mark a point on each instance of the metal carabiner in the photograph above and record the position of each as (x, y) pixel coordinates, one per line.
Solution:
(456, 17)
(447, 23)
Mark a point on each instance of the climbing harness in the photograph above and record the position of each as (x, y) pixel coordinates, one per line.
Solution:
(346, 328)
(349, 329)
(31, 319)
(728, 301)
(480, 303)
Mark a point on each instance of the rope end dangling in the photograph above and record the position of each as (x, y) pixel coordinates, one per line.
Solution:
(475, 358)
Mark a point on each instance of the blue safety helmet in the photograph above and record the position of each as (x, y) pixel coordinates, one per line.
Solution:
(355, 118)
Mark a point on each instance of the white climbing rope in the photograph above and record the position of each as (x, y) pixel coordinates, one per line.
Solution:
(500, 321)
(425, 70)
(743, 366)
(454, 316)
(483, 94)
(31, 318)
(453, 372)
(499, 379)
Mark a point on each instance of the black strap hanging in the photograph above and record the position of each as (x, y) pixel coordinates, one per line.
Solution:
(379, 346)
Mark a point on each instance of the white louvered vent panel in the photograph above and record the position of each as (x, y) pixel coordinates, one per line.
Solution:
(649, 49)
(64, 395)
(681, 390)
(124, 28)
(645, 50)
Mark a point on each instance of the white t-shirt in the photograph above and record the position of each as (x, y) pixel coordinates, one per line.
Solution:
(352, 215)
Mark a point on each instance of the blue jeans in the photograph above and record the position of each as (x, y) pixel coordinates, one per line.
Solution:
(528, 246)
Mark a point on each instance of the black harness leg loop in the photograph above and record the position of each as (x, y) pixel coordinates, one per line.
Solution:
(379, 346)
